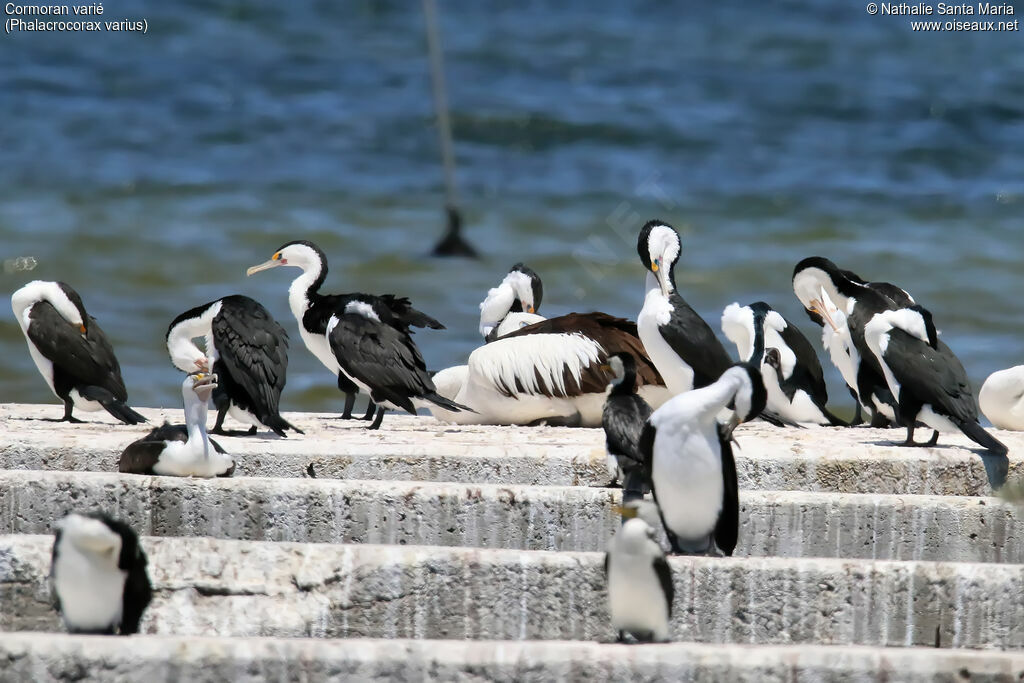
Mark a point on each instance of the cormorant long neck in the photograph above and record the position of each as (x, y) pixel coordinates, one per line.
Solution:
(758, 345)
(714, 397)
(304, 290)
(195, 422)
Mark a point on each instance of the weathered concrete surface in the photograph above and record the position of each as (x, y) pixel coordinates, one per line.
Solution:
(43, 658)
(421, 449)
(246, 588)
(783, 523)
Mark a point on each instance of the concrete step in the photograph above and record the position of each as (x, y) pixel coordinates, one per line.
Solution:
(46, 658)
(409, 448)
(781, 523)
(247, 588)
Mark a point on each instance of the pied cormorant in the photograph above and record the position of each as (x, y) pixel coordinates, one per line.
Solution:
(623, 421)
(313, 310)
(181, 450)
(640, 590)
(376, 350)
(792, 374)
(71, 351)
(98, 575)
(1002, 398)
(927, 379)
(689, 456)
(820, 284)
(248, 351)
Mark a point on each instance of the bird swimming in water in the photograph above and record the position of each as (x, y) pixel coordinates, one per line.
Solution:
(181, 450)
(640, 590)
(689, 456)
(71, 351)
(248, 352)
(98, 575)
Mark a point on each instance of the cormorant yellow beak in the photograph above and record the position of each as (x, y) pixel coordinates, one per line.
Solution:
(274, 262)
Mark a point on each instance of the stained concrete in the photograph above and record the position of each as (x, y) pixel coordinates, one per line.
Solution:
(857, 460)
(45, 658)
(248, 588)
(783, 523)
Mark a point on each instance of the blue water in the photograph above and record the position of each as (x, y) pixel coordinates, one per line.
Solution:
(149, 171)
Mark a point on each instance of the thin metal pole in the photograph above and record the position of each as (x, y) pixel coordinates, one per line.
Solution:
(444, 129)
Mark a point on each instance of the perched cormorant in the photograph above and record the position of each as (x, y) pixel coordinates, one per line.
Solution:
(98, 575)
(313, 310)
(928, 381)
(377, 352)
(689, 456)
(248, 352)
(792, 374)
(71, 351)
(640, 590)
(623, 420)
(181, 450)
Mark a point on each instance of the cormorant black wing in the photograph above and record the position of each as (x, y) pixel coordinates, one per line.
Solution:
(382, 357)
(402, 309)
(623, 420)
(254, 349)
(694, 341)
(807, 372)
(932, 375)
(727, 529)
(88, 358)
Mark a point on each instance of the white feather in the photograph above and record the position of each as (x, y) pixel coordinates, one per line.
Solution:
(1002, 398)
(636, 600)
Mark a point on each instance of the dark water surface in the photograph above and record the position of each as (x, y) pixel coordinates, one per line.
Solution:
(149, 171)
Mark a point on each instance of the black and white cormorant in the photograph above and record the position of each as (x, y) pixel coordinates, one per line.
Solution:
(623, 421)
(689, 456)
(680, 343)
(377, 352)
(313, 310)
(927, 379)
(792, 374)
(248, 351)
(181, 450)
(821, 285)
(549, 372)
(516, 299)
(98, 575)
(813, 279)
(1002, 398)
(71, 351)
(640, 590)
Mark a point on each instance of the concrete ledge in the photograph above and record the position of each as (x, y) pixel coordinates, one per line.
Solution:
(246, 588)
(45, 657)
(781, 523)
(421, 449)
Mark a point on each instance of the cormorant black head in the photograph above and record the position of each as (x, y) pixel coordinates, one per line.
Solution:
(536, 286)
